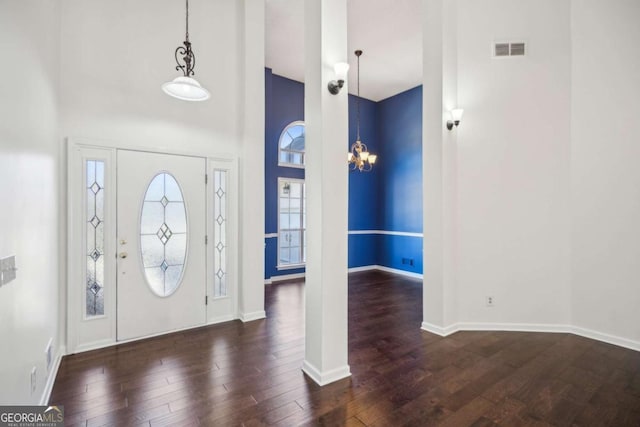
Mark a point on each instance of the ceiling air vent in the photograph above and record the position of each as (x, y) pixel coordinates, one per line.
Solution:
(504, 49)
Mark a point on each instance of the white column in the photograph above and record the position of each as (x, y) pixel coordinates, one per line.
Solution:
(326, 118)
(439, 155)
(251, 130)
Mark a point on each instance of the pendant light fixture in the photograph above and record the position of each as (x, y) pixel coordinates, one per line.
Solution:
(359, 157)
(186, 87)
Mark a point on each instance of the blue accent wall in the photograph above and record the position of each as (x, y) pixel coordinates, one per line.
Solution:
(400, 133)
(400, 127)
(363, 186)
(284, 104)
(388, 198)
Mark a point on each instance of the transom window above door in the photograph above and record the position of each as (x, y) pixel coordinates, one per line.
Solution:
(291, 145)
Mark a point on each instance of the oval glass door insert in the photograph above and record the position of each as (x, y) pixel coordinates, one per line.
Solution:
(163, 234)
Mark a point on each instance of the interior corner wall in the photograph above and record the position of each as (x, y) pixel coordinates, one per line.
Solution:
(29, 170)
(364, 188)
(514, 163)
(605, 178)
(399, 120)
(284, 105)
(385, 205)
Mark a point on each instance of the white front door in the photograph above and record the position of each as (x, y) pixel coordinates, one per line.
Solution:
(161, 252)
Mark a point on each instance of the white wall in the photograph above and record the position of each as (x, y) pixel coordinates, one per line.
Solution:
(115, 56)
(29, 169)
(513, 148)
(605, 178)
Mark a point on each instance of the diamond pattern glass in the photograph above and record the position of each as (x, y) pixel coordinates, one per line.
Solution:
(94, 242)
(163, 235)
(220, 233)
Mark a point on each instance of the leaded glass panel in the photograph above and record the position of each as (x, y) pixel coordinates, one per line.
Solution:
(220, 234)
(94, 289)
(163, 234)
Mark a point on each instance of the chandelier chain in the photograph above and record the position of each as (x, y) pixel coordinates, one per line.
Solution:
(187, 18)
(358, 103)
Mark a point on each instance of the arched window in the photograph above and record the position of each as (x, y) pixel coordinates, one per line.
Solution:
(291, 145)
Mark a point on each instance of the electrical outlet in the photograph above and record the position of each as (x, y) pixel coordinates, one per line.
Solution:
(490, 301)
(7, 269)
(34, 378)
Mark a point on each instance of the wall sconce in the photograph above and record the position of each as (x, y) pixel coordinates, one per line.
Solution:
(456, 115)
(341, 69)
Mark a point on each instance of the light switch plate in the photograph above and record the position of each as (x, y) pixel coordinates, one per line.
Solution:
(7, 269)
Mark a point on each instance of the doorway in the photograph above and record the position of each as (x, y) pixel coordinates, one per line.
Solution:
(151, 244)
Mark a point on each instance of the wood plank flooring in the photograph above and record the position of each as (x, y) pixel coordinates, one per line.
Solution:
(249, 374)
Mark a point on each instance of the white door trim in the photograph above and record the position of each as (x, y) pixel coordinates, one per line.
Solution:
(103, 327)
(75, 205)
(233, 252)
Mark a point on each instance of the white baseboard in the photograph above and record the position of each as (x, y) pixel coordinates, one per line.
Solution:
(327, 377)
(438, 330)
(512, 327)
(400, 272)
(274, 279)
(531, 327)
(221, 319)
(386, 269)
(363, 268)
(611, 339)
(250, 317)
(51, 379)
(96, 345)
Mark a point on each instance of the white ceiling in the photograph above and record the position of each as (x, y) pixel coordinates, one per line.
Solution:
(389, 32)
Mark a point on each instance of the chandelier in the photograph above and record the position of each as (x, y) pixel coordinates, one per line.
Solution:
(186, 87)
(359, 158)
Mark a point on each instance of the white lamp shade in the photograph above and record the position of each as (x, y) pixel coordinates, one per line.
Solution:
(364, 156)
(456, 114)
(186, 88)
(341, 69)
(350, 157)
(372, 158)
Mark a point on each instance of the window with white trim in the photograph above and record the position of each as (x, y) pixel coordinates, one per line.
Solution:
(291, 145)
(292, 223)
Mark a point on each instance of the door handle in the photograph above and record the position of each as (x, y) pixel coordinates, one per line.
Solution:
(123, 255)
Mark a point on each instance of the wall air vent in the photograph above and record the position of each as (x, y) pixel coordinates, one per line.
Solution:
(517, 49)
(501, 49)
(507, 49)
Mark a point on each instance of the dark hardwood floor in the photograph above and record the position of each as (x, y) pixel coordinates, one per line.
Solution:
(249, 374)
